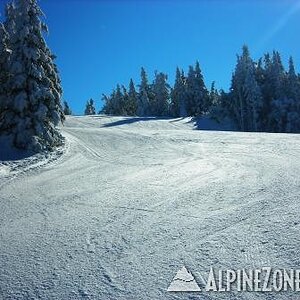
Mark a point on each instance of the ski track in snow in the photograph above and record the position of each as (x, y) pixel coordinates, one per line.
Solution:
(129, 202)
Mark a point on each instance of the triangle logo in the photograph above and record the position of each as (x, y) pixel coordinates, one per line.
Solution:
(184, 281)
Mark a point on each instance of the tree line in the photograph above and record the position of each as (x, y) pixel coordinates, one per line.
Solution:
(263, 96)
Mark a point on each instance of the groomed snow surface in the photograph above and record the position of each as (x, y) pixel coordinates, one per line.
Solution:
(130, 201)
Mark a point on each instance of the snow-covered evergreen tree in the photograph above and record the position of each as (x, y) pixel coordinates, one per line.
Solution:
(34, 102)
(119, 102)
(277, 76)
(293, 117)
(90, 108)
(124, 109)
(178, 96)
(285, 104)
(144, 97)
(190, 105)
(5, 54)
(107, 107)
(293, 82)
(214, 103)
(254, 101)
(276, 94)
(260, 72)
(246, 95)
(214, 96)
(67, 109)
(132, 99)
(10, 15)
(197, 94)
(263, 78)
(284, 116)
(161, 92)
(201, 93)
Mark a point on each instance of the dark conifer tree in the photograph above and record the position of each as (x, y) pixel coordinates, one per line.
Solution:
(67, 109)
(161, 92)
(90, 108)
(132, 99)
(33, 105)
(178, 96)
(144, 97)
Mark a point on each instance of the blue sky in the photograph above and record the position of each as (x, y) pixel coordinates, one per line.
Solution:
(102, 43)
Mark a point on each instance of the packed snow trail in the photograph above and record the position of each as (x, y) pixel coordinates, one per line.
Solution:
(133, 200)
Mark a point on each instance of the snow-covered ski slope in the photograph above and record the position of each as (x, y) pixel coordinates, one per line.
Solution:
(133, 200)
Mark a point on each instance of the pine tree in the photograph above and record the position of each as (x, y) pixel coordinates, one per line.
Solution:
(214, 96)
(254, 101)
(222, 109)
(197, 93)
(118, 102)
(67, 109)
(277, 98)
(260, 72)
(108, 104)
(293, 83)
(121, 102)
(143, 107)
(90, 108)
(285, 108)
(178, 96)
(5, 54)
(125, 102)
(263, 79)
(293, 118)
(190, 105)
(245, 93)
(277, 76)
(132, 99)
(160, 105)
(10, 21)
(201, 93)
(34, 105)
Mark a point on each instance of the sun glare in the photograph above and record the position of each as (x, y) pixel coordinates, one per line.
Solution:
(278, 25)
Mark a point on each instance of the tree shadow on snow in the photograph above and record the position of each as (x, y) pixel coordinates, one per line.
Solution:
(200, 123)
(207, 123)
(9, 153)
(134, 120)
